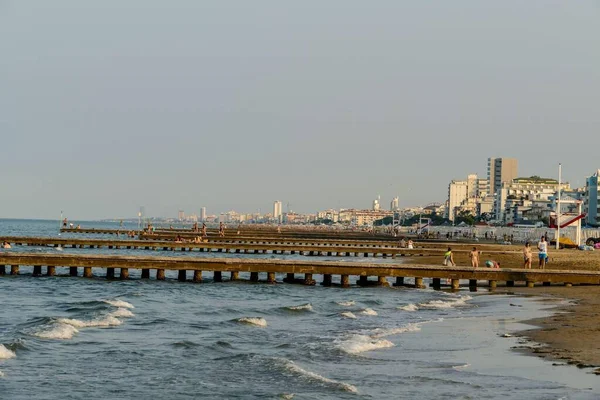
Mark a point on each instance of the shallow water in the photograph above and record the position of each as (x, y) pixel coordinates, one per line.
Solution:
(70, 338)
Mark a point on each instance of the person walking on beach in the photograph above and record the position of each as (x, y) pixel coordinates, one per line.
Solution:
(527, 256)
(474, 256)
(543, 252)
(449, 258)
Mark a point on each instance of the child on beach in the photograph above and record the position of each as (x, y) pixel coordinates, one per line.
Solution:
(474, 256)
(543, 252)
(492, 264)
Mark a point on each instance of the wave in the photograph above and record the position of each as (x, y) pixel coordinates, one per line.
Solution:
(302, 307)
(369, 311)
(122, 313)
(412, 327)
(357, 344)
(461, 367)
(348, 314)
(440, 304)
(256, 321)
(293, 368)
(105, 321)
(6, 353)
(1, 374)
(409, 307)
(346, 303)
(119, 303)
(57, 331)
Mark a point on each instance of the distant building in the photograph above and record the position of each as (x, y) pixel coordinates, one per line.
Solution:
(395, 204)
(376, 205)
(363, 217)
(501, 170)
(591, 200)
(277, 210)
(181, 215)
(203, 214)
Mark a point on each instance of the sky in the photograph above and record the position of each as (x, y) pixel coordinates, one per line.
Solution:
(109, 105)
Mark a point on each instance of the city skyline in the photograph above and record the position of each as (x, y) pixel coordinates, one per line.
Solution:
(317, 104)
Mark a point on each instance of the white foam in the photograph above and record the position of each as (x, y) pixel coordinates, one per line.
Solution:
(361, 343)
(103, 322)
(307, 307)
(346, 303)
(287, 396)
(369, 311)
(57, 331)
(412, 327)
(461, 367)
(292, 367)
(409, 307)
(1, 374)
(440, 304)
(256, 321)
(119, 303)
(348, 314)
(6, 353)
(122, 313)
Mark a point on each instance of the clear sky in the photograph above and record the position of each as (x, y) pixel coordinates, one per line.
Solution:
(113, 104)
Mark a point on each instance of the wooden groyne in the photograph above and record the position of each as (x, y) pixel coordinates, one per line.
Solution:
(110, 263)
(313, 249)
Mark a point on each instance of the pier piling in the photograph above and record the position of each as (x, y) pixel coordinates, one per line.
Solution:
(182, 276)
(253, 276)
(37, 270)
(110, 273)
(235, 275)
(271, 277)
(197, 276)
(218, 276)
(87, 272)
(327, 280)
(73, 271)
(124, 274)
(455, 284)
(50, 270)
(160, 274)
(145, 273)
(419, 283)
(345, 281)
(399, 281)
(14, 270)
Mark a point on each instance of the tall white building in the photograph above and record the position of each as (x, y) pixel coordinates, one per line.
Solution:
(395, 204)
(181, 215)
(203, 214)
(277, 209)
(501, 170)
(591, 202)
(458, 192)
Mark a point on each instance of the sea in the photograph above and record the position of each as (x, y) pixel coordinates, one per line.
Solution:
(73, 338)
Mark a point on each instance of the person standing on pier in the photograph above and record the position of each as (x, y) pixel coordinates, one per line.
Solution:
(474, 256)
(221, 229)
(527, 256)
(204, 230)
(543, 252)
(449, 258)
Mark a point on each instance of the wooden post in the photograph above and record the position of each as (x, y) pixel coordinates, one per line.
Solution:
(110, 273)
(271, 277)
(37, 270)
(492, 284)
(363, 280)
(73, 271)
(419, 283)
(50, 270)
(253, 276)
(327, 280)
(382, 281)
(472, 283)
(436, 283)
(160, 274)
(546, 284)
(399, 281)
(182, 277)
(235, 275)
(510, 283)
(145, 273)
(2, 269)
(345, 281)
(308, 279)
(14, 270)
(568, 284)
(530, 284)
(197, 276)
(455, 284)
(124, 274)
(87, 272)
(290, 278)
(217, 276)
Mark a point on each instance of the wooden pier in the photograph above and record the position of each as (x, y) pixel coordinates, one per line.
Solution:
(489, 277)
(310, 248)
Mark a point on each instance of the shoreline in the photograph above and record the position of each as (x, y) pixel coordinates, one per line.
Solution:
(570, 335)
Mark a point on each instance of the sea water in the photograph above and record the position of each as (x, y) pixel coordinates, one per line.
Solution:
(73, 338)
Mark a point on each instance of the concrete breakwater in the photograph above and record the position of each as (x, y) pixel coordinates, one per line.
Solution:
(109, 263)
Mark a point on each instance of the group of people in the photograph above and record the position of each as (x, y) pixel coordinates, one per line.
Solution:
(474, 255)
(6, 245)
(407, 245)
